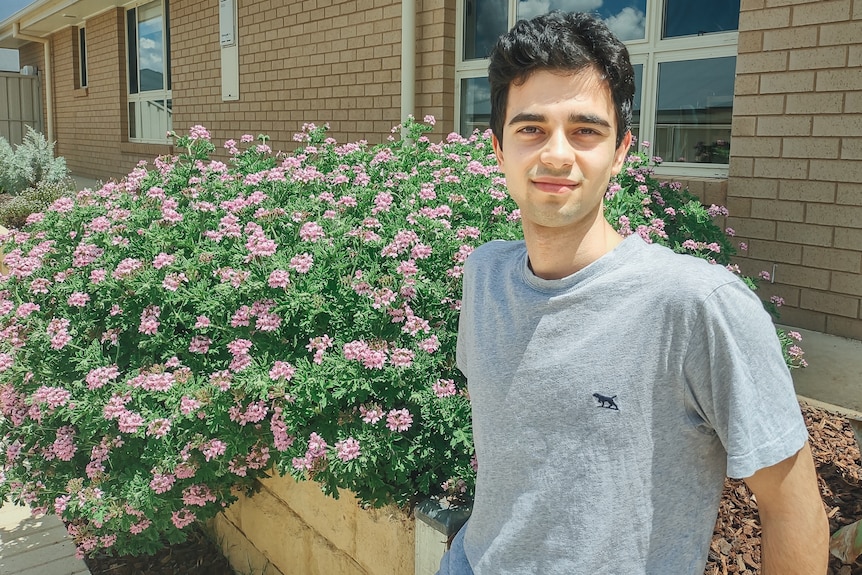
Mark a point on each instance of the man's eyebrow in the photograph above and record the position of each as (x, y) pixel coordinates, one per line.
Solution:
(573, 119)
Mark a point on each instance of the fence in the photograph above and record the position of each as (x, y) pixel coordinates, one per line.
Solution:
(20, 105)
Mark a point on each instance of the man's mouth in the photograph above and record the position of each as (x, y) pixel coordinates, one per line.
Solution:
(554, 185)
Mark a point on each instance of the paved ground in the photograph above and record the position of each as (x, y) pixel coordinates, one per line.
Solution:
(35, 545)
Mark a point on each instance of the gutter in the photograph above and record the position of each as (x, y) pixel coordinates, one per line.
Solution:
(49, 88)
(408, 59)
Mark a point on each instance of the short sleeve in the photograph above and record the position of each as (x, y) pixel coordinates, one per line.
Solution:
(739, 385)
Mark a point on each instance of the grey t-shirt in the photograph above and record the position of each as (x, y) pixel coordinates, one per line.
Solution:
(609, 405)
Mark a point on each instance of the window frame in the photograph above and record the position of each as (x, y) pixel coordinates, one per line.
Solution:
(140, 97)
(82, 80)
(650, 51)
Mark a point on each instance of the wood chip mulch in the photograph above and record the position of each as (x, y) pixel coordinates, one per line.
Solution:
(735, 546)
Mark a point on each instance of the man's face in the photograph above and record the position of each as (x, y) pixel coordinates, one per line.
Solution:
(559, 149)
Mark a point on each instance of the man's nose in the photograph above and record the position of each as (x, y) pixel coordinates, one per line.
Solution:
(558, 151)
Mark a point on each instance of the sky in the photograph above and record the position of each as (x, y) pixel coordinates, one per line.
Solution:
(9, 58)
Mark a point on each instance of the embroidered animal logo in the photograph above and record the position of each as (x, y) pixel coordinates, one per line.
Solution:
(606, 402)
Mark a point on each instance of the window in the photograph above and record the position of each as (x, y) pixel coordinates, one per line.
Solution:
(684, 58)
(149, 71)
(81, 58)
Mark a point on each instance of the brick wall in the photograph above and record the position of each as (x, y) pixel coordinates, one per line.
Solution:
(794, 191)
(320, 61)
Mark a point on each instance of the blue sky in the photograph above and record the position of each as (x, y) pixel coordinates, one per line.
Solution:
(9, 58)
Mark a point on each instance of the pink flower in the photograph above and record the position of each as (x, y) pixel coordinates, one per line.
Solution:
(6, 361)
(221, 379)
(126, 268)
(347, 449)
(302, 263)
(182, 518)
(100, 376)
(189, 405)
(159, 427)
(129, 421)
(173, 281)
(200, 344)
(400, 357)
(150, 320)
(98, 276)
(444, 388)
(198, 495)
(213, 448)
(279, 279)
(399, 420)
(311, 232)
(78, 299)
(430, 345)
(281, 370)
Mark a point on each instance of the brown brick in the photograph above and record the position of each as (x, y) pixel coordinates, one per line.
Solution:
(750, 228)
(840, 216)
(795, 317)
(836, 170)
(778, 210)
(848, 238)
(810, 147)
(752, 188)
(853, 102)
(849, 194)
(830, 303)
(805, 234)
(739, 207)
(780, 252)
(847, 283)
(844, 327)
(802, 276)
(832, 259)
(851, 148)
(854, 56)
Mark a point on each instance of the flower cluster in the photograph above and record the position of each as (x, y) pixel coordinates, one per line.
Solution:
(170, 337)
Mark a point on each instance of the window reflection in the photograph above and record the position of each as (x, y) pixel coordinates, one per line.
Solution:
(475, 105)
(626, 18)
(484, 22)
(694, 110)
(151, 47)
(686, 18)
(636, 105)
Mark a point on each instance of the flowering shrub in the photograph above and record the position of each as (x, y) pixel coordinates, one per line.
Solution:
(169, 338)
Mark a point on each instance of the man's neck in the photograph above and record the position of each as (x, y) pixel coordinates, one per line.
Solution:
(556, 253)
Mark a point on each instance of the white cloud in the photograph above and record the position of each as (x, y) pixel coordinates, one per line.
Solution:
(629, 24)
(530, 8)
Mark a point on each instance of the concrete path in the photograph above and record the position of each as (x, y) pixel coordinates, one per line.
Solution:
(35, 545)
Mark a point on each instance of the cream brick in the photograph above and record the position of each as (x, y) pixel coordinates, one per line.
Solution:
(762, 62)
(843, 125)
(802, 276)
(778, 210)
(748, 5)
(854, 56)
(814, 58)
(834, 215)
(781, 168)
(848, 238)
(843, 80)
(784, 126)
(807, 191)
(751, 228)
(806, 234)
(752, 188)
(784, 38)
(810, 147)
(793, 316)
(824, 11)
(739, 207)
(741, 167)
(750, 42)
(849, 194)
(843, 33)
(814, 103)
(836, 170)
(758, 105)
(743, 126)
(764, 19)
(829, 303)
(832, 259)
(757, 147)
(847, 283)
(745, 84)
(787, 82)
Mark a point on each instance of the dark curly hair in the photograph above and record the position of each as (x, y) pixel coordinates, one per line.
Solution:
(565, 42)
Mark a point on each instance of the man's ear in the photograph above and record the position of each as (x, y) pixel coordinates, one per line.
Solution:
(621, 153)
(498, 150)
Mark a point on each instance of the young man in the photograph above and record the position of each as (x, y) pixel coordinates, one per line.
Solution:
(614, 383)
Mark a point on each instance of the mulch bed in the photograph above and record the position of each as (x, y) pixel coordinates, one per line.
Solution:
(735, 547)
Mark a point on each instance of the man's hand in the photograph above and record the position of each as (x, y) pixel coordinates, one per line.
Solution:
(795, 538)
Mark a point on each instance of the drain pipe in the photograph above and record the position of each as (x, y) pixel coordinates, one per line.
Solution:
(408, 59)
(49, 88)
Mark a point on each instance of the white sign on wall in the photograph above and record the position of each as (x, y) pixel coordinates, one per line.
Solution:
(227, 22)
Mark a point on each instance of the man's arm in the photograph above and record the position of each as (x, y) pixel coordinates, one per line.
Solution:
(795, 538)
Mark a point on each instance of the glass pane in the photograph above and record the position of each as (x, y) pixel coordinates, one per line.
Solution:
(151, 46)
(155, 117)
(475, 105)
(636, 104)
(170, 117)
(695, 105)
(132, 43)
(82, 55)
(484, 22)
(626, 18)
(133, 120)
(687, 18)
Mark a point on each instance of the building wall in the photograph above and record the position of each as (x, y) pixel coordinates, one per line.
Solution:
(318, 61)
(794, 191)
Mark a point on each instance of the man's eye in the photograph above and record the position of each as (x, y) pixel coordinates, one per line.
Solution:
(529, 130)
